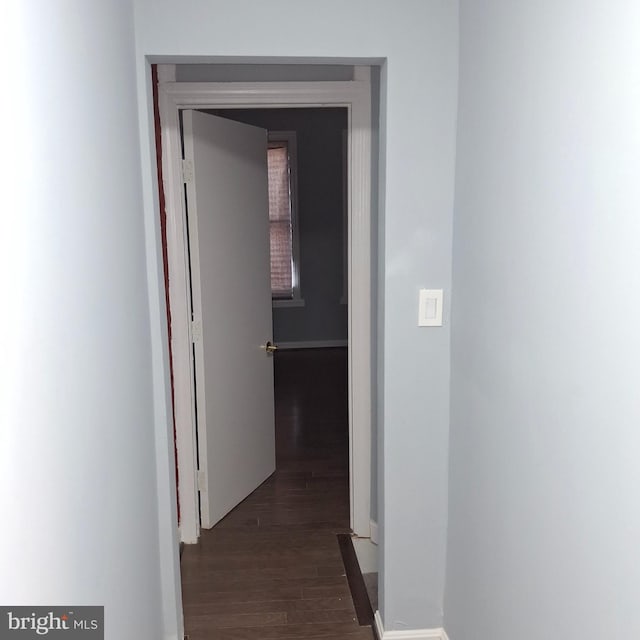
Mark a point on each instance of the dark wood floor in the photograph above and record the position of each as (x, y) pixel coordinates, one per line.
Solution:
(272, 568)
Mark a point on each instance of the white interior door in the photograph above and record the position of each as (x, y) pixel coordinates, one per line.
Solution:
(228, 217)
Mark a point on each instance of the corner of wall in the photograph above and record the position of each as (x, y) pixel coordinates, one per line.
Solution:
(409, 634)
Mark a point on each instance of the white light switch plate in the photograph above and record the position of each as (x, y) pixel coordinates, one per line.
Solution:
(430, 308)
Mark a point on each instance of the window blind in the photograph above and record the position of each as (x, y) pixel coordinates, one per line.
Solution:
(280, 220)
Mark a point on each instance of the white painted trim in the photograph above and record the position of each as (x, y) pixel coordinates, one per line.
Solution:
(373, 528)
(356, 97)
(312, 344)
(180, 305)
(359, 307)
(362, 73)
(410, 634)
(377, 623)
(344, 150)
(166, 73)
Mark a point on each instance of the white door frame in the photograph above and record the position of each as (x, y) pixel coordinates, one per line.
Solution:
(356, 97)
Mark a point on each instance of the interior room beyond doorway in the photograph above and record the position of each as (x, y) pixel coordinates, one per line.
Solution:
(319, 316)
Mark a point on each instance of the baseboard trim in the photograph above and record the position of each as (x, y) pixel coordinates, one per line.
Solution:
(312, 344)
(412, 634)
(373, 529)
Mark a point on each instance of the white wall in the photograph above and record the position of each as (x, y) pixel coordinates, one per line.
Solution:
(545, 480)
(77, 454)
(419, 43)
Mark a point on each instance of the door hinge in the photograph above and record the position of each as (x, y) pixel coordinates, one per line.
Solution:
(187, 170)
(196, 331)
(202, 481)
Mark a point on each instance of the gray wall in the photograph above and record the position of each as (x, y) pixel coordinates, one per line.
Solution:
(545, 480)
(262, 72)
(320, 220)
(78, 491)
(418, 44)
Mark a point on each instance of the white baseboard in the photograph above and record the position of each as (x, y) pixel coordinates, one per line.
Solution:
(373, 529)
(312, 344)
(411, 634)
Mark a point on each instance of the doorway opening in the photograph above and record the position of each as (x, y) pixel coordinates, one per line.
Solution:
(354, 96)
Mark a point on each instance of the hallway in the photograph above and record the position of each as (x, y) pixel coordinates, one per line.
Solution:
(272, 567)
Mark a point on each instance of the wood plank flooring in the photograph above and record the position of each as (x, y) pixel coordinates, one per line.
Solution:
(272, 568)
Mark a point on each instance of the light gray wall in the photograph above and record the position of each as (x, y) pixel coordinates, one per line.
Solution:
(77, 454)
(320, 219)
(545, 481)
(419, 46)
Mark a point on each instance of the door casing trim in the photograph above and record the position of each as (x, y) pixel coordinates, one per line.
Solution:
(356, 97)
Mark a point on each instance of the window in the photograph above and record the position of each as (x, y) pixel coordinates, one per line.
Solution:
(283, 231)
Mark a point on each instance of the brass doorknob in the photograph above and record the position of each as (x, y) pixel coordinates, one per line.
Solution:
(270, 348)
